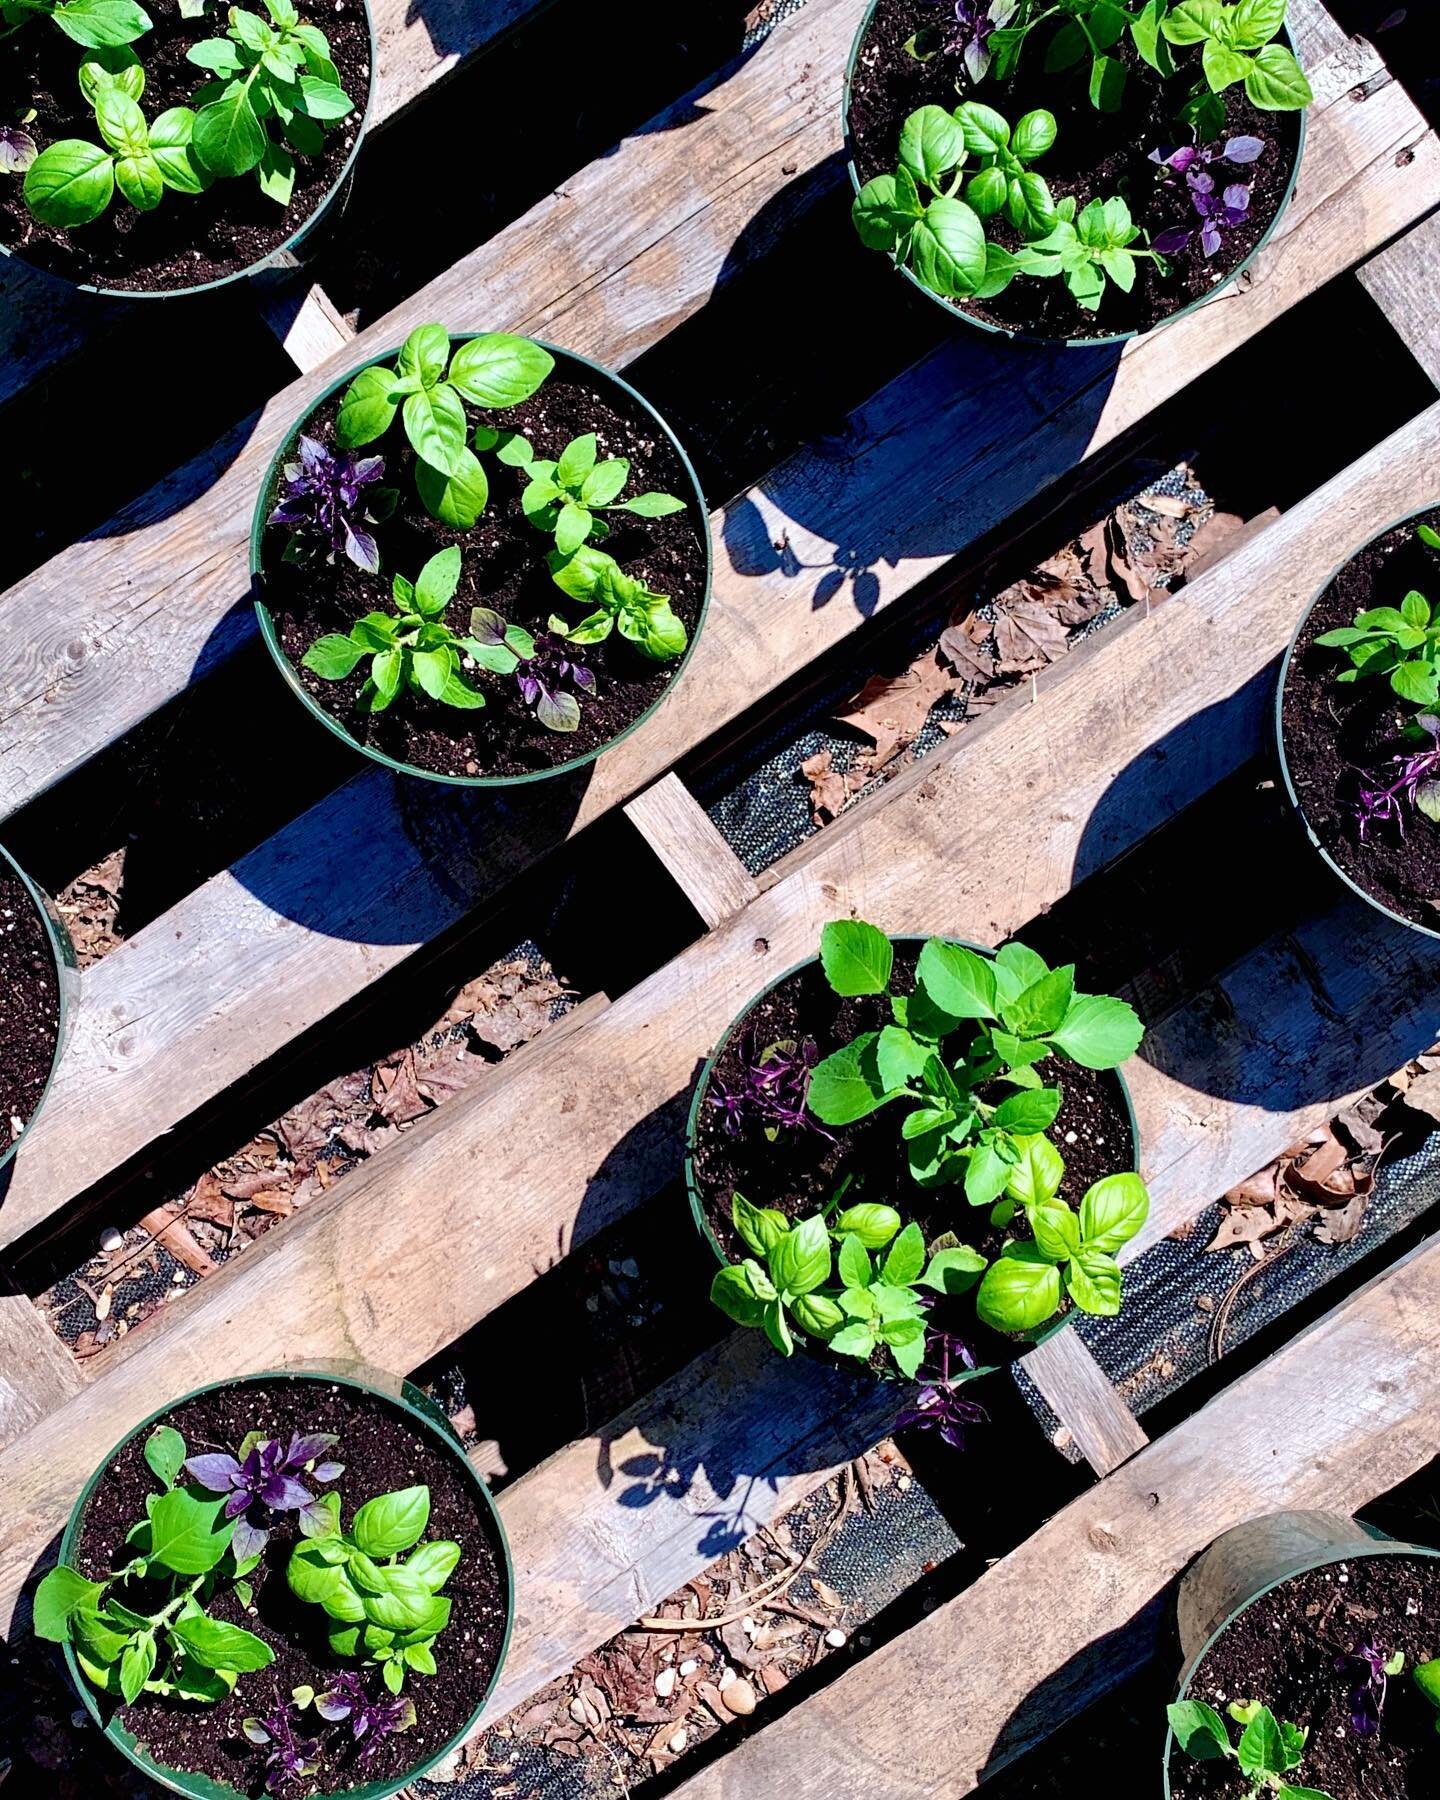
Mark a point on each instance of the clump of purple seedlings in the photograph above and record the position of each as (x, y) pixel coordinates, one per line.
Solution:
(1371, 1668)
(1416, 784)
(540, 678)
(330, 501)
(1218, 213)
(940, 1405)
(267, 1482)
(291, 1757)
(773, 1092)
(967, 35)
(371, 1721)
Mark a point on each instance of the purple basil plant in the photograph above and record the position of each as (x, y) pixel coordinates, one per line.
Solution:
(291, 1757)
(772, 1094)
(1371, 1668)
(371, 1721)
(975, 22)
(940, 1405)
(17, 150)
(267, 1481)
(1218, 213)
(1416, 783)
(539, 680)
(330, 501)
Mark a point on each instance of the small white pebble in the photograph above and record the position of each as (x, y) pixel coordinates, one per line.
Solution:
(665, 1683)
(725, 1677)
(1070, 1137)
(689, 1667)
(678, 1740)
(178, 1276)
(903, 1483)
(835, 1637)
(110, 1239)
(748, 1626)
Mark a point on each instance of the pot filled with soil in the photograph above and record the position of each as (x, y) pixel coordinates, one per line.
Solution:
(159, 152)
(917, 1156)
(1310, 1643)
(1358, 722)
(1076, 172)
(37, 982)
(481, 559)
(291, 1583)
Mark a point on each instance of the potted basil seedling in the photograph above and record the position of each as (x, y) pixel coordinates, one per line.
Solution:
(1358, 721)
(156, 153)
(482, 559)
(917, 1156)
(1310, 1646)
(37, 981)
(293, 1583)
(1075, 170)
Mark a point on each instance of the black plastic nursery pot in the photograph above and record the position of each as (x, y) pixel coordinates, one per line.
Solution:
(584, 370)
(1332, 849)
(51, 941)
(294, 251)
(1248, 1563)
(420, 1415)
(695, 1192)
(1018, 334)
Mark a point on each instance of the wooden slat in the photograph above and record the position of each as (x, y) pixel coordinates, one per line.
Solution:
(43, 320)
(1403, 281)
(267, 949)
(384, 1270)
(308, 325)
(37, 1373)
(1340, 1415)
(702, 865)
(1080, 1395)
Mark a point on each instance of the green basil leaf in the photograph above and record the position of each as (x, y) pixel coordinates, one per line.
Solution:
(323, 100)
(931, 145)
(1107, 84)
(391, 1522)
(986, 1173)
(1199, 1729)
(121, 122)
(1035, 133)
(885, 211)
(605, 481)
(1037, 1176)
(1066, 48)
(652, 506)
(900, 1057)
(136, 1666)
(853, 1263)
(817, 1315)
(218, 55)
(760, 1228)
(276, 173)
(857, 958)
(188, 1533)
(112, 66)
(1261, 1749)
(1275, 82)
(1192, 21)
(1098, 1032)
(70, 183)
(367, 410)
(497, 369)
(857, 1339)
(1150, 41)
(572, 527)
(140, 181)
(420, 1658)
(1031, 1111)
(777, 1328)
(987, 192)
(576, 461)
(1019, 1291)
(870, 1222)
(954, 1271)
(1113, 1211)
(846, 1086)
(170, 146)
(733, 1293)
(227, 137)
(948, 249)
(1255, 22)
(906, 1258)
(99, 24)
(165, 1454)
(459, 498)
(801, 1260)
(1224, 67)
(986, 131)
(1094, 1281)
(432, 670)
(1039, 1010)
(215, 1645)
(436, 583)
(436, 427)
(1057, 1231)
(955, 982)
(60, 1595)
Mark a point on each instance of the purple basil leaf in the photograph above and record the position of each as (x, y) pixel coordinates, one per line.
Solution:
(328, 1471)
(1172, 242)
(1210, 239)
(361, 548)
(333, 1707)
(248, 1540)
(1244, 149)
(217, 1472)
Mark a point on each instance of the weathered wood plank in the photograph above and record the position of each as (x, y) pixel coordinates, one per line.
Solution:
(1343, 1413)
(37, 1373)
(270, 947)
(43, 320)
(1403, 281)
(309, 327)
(699, 861)
(1081, 1396)
(377, 1270)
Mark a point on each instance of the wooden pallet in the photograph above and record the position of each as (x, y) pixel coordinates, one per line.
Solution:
(1127, 731)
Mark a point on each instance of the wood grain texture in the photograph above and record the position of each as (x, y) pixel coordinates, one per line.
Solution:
(37, 1373)
(1082, 1398)
(268, 948)
(387, 1269)
(1403, 281)
(309, 327)
(44, 320)
(701, 864)
(625, 251)
(1344, 1412)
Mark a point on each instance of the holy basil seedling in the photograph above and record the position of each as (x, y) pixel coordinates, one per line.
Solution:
(1083, 251)
(567, 497)
(429, 387)
(413, 648)
(97, 24)
(1237, 46)
(72, 181)
(1402, 642)
(183, 1548)
(277, 72)
(1268, 1751)
(642, 616)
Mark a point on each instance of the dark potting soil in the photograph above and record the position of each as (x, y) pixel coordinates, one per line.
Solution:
(189, 239)
(1335, 732)
(1282, 1651)
(800, 1172)
(1095, 155)
(504, 567)
(382, 1451)
(29, 1007)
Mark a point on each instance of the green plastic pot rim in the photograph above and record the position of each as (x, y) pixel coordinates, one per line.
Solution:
(205, 1787)
(331, 723)
(692, 1183)
(273, 259)
(1379, 906)
(1303, 1565)
(62, 956)
(1014, 334)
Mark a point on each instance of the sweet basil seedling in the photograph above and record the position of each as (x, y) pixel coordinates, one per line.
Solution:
(1268, 1750)
(567, 497)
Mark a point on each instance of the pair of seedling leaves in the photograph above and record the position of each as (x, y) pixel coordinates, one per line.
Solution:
(178, 1651)
(1402, 642)
(1268, 1752)
(279, 71)
(96, 24)
(383, 1606)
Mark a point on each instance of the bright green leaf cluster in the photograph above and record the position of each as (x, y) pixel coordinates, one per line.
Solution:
(1237, 46)
(179, 1650)
(73, 181)
(384, 1607)
(413, 649)
(97, 24)
(1087, 30)
(566, 497)
(642, 616)
(1402, 642)
(1083, 251)
(1267, 1753)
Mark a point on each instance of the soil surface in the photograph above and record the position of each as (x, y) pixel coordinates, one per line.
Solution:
(800, 1172)
(1095, 154)
(504, 567)
(189, 239)
(1336, 733)
(1283, 1651)
(29, 1007)
(381, 1451)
